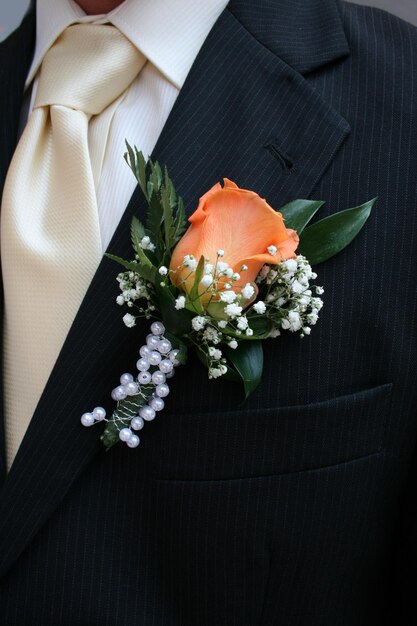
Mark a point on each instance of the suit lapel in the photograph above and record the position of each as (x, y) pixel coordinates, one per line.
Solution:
(242, 113)
(15, 57)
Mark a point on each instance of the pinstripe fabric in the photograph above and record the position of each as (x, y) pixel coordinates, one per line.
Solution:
(286, 510)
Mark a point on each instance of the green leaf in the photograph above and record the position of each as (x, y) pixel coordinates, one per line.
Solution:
(137, 163)
(134, 266)
(194, 295)
(248, 361)
(177, 322)
(169, 229)
(170, 186)
(137, 232)
(180, 221)
(154, 219)
(329, 236)
(143, 267)
(298, 213)
(261, 327)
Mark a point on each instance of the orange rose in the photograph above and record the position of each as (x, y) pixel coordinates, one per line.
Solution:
(241, 224)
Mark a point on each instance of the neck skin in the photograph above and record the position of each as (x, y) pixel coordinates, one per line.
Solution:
(97, 7)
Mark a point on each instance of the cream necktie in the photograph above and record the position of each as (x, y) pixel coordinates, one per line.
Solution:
(50, 236)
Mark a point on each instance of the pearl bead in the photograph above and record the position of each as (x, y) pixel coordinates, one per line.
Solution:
(133, 441)
(166, 366)
(132, 388)
(143, 364)
(87, 419)
(144, 378)
(147, 413)
(126, 378)
(170, 374)
(173, 357)
(158, 378)
(164, 346)
(125, 434)
(99, 413)
(162, 390)
(144, 351)
(137, 423)
(157, 404)
(154, 358)
(152, 342)
(119, 393)
(157, 328)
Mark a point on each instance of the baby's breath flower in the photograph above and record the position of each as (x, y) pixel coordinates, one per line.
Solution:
(189, 262)
(215, 372)
(312, 317)
(129, 320)
(146, 244)
(233, 344)
(248, 291)
(297, 287)
(163, 270)
(215, 353)
(233, 310)
(198, 322)
(220, 252)
(180, 302)
(207, 280)
(242, 323)
(292, 322)
(222, 323)
(260, 307)
(222, 267)
(290, 265)
(211, 335)
(228, 296)
(275, 332)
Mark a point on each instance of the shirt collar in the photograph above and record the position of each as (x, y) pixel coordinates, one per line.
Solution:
(169, 33)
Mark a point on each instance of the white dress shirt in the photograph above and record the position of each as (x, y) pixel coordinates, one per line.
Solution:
(170, 34)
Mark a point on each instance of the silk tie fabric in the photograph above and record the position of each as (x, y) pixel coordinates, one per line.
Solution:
(50, 237)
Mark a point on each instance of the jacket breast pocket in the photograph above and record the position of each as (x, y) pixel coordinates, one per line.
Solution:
(271, 441)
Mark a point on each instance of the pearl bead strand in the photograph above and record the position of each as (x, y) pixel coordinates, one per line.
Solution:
(140, 399)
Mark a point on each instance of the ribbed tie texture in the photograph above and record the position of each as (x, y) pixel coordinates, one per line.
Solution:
(50, 235)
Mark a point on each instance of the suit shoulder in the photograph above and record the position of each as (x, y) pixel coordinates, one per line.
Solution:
(385, 47)
(375, 29)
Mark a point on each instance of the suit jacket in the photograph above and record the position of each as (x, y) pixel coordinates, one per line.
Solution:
(297, 507)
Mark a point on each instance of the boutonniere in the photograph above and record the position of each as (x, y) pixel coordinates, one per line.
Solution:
(239, 274)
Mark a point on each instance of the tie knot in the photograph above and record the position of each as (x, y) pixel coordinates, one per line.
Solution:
(88, 67)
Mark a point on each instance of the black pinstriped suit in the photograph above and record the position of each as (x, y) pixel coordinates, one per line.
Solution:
(297, 508)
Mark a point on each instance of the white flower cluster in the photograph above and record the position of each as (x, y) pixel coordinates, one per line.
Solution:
(207, 338)
(289, 299)
(216, 276)
(282, 295)
(146, 244)
(134, 289)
